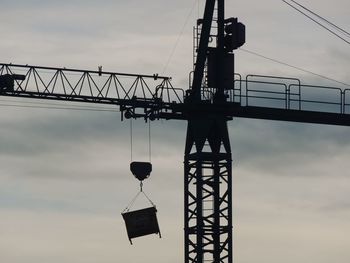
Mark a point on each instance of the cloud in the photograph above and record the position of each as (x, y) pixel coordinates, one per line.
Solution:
(64, 175)
(108, 238)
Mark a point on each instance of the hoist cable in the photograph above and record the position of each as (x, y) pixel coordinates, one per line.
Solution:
(131, 142)
(322, 18)
(132, 202)
(51, 104)
(179, 38)
(127, 209)
(149, 200)
(291, 66)
(317, 22)
(149, 142)
(56, 107)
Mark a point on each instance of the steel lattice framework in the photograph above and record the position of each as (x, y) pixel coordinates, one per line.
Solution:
(154, 97)
(208, 191)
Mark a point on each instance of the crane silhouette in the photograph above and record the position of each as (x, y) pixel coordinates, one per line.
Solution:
(216, 95)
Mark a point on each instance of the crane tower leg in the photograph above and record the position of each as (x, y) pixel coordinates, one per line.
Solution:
(208, 191)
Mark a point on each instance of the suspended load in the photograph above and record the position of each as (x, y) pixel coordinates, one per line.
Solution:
(141, 222)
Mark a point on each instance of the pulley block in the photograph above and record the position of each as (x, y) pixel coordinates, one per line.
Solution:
(141, 170)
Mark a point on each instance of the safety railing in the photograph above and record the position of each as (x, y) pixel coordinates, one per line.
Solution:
(346, 101)
(288, 93)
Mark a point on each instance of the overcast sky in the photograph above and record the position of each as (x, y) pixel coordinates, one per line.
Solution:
(64, 175)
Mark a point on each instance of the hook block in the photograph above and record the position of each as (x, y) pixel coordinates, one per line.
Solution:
(141, 170)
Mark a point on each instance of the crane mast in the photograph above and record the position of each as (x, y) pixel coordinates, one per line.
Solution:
(216, 95)
(208, 158)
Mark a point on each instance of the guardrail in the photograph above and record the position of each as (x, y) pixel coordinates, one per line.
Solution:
(288, 93)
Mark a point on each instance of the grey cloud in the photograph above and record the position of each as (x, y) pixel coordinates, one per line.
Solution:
(57, 132)
(65, 176)
(279, 144)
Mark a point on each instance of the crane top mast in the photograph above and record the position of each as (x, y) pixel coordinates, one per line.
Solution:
(219, 59)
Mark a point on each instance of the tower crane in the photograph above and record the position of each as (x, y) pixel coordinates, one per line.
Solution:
(216, 96)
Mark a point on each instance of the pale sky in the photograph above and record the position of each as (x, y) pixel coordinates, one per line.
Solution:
(64, 175)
